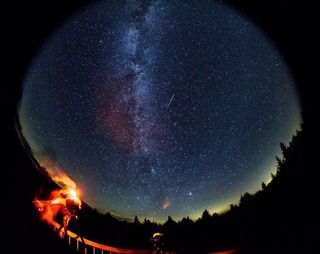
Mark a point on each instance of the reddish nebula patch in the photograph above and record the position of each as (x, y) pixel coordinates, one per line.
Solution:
(116, 117)
(166, 203)
(129, 120)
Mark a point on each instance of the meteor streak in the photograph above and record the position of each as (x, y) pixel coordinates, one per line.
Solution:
(170, 101)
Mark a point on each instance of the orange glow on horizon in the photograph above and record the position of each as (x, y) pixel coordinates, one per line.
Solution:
(57, 173)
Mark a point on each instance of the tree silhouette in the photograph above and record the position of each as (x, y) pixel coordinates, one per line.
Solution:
(136, 221)
(205, 215)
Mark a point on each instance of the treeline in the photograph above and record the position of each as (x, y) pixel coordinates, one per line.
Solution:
(279, 218)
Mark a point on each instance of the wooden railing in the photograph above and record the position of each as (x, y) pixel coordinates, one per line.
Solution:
(87, 246)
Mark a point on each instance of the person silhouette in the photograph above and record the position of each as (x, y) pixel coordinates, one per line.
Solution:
(71, 206)
(65, 202)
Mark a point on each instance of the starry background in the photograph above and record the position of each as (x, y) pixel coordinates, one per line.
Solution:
(159, 108)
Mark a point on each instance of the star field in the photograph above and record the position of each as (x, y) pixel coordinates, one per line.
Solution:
(159, 108)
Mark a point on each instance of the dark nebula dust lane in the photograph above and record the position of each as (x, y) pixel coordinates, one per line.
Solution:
(158, 108)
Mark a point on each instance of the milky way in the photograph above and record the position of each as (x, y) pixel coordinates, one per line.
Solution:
(131, 115)
(159, 108)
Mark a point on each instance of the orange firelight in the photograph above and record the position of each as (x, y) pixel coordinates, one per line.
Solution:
(49, 209)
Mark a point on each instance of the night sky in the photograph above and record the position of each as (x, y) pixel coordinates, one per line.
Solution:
(158, 108)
